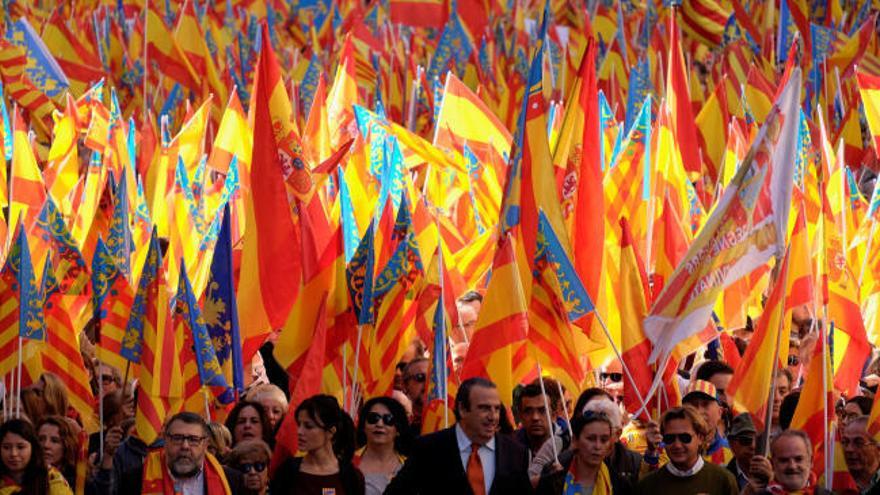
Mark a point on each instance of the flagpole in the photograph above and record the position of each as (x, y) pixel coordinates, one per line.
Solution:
(562, 399)
(547, 410)
(768, 418)
(125, 377)
(100, 413)
(146, 60)
(354, 373)
(20, 342)
(344, 373)
(622, 364)
(207, 404)
(411, 117)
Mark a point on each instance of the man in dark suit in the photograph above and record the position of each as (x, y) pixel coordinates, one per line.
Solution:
(469, 458)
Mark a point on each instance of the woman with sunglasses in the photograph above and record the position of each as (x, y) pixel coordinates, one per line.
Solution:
(251, 457)
(382, 434)
(583, 469)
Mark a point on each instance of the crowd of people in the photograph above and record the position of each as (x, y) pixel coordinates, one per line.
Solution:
(549, 441)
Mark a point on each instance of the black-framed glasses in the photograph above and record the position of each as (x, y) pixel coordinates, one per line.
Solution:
(258, 467)
(684, 438)
(374, 418)
(179, 439)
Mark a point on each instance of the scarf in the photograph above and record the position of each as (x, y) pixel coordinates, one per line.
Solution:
(678, 473)
(601, 487)
(157, 479)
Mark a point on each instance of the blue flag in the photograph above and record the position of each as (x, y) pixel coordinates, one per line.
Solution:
(132, 341)
(221, 311)
(31, 323)
(359, 275)
(573, 294)
(210, 373)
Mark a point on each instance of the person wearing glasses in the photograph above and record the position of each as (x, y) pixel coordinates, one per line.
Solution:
(182, 465)
(326, 434)
(383, 435)
(683, 431)
(742, 442)
(111, 379)
(251, 458)
(415, 376)
(862, 455)
(583, 468)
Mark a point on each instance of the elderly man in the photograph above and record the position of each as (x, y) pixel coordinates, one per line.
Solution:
(742, 442)
(182, 466)
(862, 455)
(787, 471)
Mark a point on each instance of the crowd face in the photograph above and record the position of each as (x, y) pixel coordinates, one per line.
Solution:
(414, 381)
(721, 381)
(850, 411)
(533, 415)
(275, 408)
(248, 426)
(15, 452)
(185, 447)
(859, 450)
(467, 317)
(379, 427)
(312, 436)
(480, 420)
(791, 463)
(53, 447)
(594, 443)
(743, 448)
(682, 443)
(783, 387)
(255, 473)
(709, 408)
(109, 380)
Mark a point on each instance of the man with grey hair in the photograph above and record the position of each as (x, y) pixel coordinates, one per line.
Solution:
(862, 454)
(788, 470)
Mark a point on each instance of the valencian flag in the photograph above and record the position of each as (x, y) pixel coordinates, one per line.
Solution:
(744, 231)
(112, 298)
(220, 312)
(197, 341)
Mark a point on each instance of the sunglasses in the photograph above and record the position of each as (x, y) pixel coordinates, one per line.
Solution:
(746, 440)
(419, 377)
(374, 418)
(258, 467)
(108, 379)
(614, 377)
(684, 438)
(793, 360)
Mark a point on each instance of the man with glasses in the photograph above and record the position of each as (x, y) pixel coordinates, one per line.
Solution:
(683, 431)
(414, 377)
(183, 465)
(862, 455)
(742, 442)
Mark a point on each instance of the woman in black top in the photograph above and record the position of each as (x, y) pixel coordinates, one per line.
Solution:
(326, 434)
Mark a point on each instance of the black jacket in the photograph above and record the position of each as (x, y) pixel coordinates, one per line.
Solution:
(435, 468)
(285, 477)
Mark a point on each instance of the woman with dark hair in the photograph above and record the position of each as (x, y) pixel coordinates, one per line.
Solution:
(23, 467)
(59, 442)
(248, 421)
(382, 433)
(583, 467)
(326, 434)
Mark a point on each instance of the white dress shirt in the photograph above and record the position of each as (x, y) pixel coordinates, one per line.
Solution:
(191, 486)
(486, 453)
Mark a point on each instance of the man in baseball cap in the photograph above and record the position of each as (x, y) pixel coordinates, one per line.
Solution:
(702, 396)
(741, 438)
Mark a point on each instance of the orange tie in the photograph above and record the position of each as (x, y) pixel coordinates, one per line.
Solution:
(475, 471)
